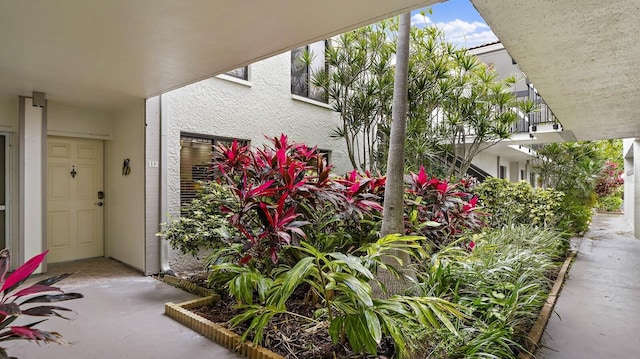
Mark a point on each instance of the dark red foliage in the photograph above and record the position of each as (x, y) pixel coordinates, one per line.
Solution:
(281, 189)
(285, 192)
(20, 303)
(450, 205)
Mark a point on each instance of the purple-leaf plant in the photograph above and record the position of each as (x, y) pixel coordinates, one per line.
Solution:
(16, 302)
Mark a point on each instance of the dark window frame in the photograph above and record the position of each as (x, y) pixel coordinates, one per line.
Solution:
(301, 74)
(502, 172)
(241, 73)
(198, 169)
(326, 155)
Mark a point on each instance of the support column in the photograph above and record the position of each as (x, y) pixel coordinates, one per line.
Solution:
(635, 220)
(33, 181)
(152, 186)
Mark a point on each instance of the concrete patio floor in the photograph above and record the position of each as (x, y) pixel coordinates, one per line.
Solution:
(598, 311)
(121, 316)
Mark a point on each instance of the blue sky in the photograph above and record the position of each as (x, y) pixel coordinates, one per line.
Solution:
(460, 21)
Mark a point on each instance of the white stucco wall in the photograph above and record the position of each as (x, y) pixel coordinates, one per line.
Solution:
(124, 196)
(9, 114)
(262, 106)
(70, 121)
(487, 162)
(629, 180)
(250, 111)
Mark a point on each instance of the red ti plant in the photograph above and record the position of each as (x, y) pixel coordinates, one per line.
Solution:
(266, 185)
(438, 209)
(17, 302)
(284, 192)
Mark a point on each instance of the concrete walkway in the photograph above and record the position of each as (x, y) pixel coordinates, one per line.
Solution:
(121, 316)
(598, 311)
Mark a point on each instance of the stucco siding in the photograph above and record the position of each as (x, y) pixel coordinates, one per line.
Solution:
(262, 107)
(487, 162)
(251, 110)
(124, 197)
(71, 121)
(9, 114)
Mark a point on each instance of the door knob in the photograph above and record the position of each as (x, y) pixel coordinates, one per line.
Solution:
(99, 204)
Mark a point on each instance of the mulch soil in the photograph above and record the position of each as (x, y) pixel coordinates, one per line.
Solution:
(287, 335)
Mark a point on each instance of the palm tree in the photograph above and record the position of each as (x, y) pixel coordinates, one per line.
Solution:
(393, 214)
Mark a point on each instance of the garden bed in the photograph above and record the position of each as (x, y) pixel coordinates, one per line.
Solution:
(286, 336)
(187, 285)
(291, 337)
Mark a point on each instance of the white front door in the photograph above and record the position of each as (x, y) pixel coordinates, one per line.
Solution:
(75, 213)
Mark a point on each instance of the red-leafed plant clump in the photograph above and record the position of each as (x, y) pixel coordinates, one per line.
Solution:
(609, 179)
(284, 193)
(438, 209)
(18, 302)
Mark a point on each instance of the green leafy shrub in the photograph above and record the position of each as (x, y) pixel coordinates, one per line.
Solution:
(612, 203)
(577, 213)
(519, 203)
(203, 224)
(503, 280)
(338, 285)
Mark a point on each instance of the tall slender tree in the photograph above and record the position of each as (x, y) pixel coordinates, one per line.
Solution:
(393, 213)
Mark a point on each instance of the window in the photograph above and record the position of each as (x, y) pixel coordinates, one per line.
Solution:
(502, 173)
(305, 61)
(241, 73)
(326, 155)
(195, 159)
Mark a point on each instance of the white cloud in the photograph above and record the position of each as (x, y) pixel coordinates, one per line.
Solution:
(460, 32)
(420, 20)
(467, 34)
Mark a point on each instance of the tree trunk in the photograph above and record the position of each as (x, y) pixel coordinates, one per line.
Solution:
(393, 215)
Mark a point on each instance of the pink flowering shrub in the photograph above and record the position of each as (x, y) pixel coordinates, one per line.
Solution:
(609, 180)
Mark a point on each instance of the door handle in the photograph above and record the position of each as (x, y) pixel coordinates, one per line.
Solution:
(99, 204)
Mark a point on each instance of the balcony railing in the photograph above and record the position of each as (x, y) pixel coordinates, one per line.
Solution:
(526, 123)
(541, 116)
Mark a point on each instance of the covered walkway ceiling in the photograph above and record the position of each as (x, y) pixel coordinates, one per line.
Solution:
(106, 53)
(582, 55)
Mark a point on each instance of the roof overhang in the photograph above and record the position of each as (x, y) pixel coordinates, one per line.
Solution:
(105, 54)
(582, 56)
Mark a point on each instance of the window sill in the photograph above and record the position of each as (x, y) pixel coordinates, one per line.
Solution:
(234, 80)
(311, 101)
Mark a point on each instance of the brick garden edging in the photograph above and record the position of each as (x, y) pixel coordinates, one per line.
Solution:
(181, 313)
(187, 286)
(545, 313)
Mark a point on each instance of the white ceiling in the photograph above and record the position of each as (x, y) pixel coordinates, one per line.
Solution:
(583, 56)
(107, 53)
